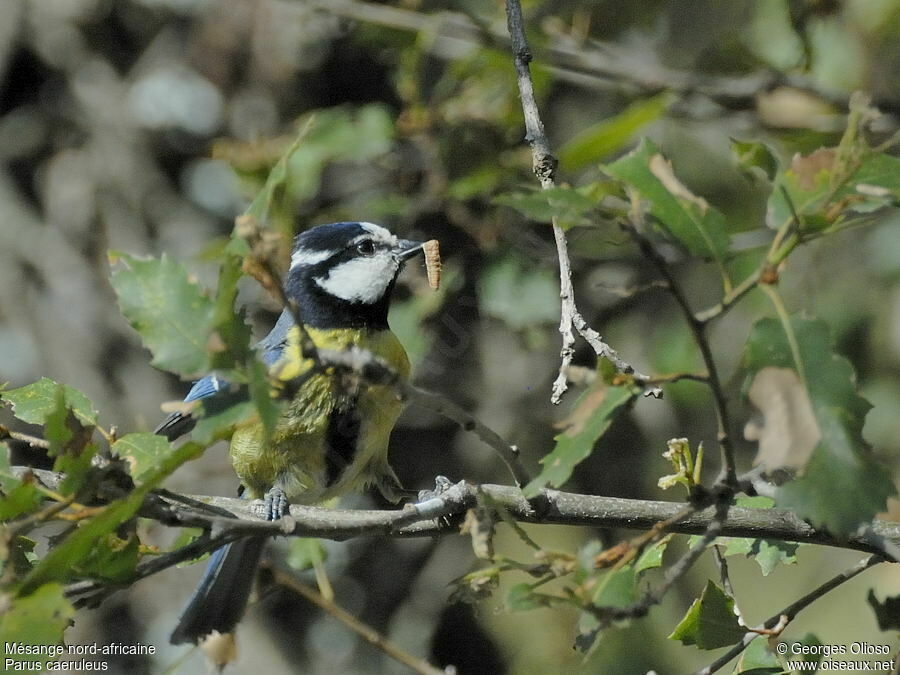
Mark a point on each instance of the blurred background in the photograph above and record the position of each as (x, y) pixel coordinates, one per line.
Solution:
(147, 125)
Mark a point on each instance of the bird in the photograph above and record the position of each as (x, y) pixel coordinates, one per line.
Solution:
(330, 438)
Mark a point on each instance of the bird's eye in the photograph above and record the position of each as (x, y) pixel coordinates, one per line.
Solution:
(366, 247)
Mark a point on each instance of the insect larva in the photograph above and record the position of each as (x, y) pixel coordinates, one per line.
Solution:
(433, 262)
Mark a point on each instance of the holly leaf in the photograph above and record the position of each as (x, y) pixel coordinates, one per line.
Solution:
(594, 412)
(142, 451)
(36, 620)
(34, 402)
(169, 310)
(64, 558)
(710, 621)
(688, 218)
(841, 484)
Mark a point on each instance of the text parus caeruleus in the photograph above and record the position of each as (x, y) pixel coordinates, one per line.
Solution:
(330, 438)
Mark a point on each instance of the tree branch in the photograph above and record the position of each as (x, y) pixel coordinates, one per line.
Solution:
(787, 615)
(427, 519)
(287, 578)
(593, 64)
(698, 329)
(544, 166)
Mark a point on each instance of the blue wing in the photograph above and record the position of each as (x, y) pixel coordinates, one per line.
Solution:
(213, 389)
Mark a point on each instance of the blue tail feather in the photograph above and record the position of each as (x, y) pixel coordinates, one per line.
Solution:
(219, 601)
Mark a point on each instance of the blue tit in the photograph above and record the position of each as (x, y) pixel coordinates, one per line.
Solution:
(331, 437)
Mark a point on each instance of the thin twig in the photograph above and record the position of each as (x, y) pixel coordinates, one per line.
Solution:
(730, 298)
(34, 441)
(591, 64)
(698, 330)
(544, 166)
(287, 579)
(787, 615)
(653, 597)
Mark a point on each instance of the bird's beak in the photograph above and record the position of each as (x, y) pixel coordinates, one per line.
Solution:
(406, 249)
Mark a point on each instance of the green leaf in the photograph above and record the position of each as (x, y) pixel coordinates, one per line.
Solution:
(887, 613)
(70, 444)
(652, 556)
(617, 588)
(358, 135)
(755, 159)
(768, 553)
(305, 553)
(34, 402)
(63, 559)
(37, 619)
(824, 185)
(228, 323)
(521, 598)
(758, 659)
(143, 452)
(594, 411)
(842, 485)
(261, 394)
(710, 622)
(685, 216)
(172, 314)
(612, 134)
(219, 425)
(569, 206)
(111, 558)
(17, 497)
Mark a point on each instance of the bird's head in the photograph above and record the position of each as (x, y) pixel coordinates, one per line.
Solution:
(342, 274)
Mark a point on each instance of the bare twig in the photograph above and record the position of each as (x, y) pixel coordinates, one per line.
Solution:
(653, 597)
(786, 615)
(33, 441)
(544, 166)
(698, 330)
(286, 578)
(593, 64)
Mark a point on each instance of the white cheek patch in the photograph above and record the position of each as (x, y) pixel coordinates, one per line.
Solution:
(364, 280)
(304, 256)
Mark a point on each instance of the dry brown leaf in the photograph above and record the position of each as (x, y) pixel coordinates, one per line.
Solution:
(789, 431)
(662, 169)
(808, 167)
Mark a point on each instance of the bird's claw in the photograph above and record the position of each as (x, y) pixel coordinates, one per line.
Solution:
(274, 506)
(441, 485)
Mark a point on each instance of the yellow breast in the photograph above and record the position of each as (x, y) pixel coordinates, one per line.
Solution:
(296, 456)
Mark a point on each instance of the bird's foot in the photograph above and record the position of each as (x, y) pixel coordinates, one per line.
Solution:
(274, 506)
(441, 485)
